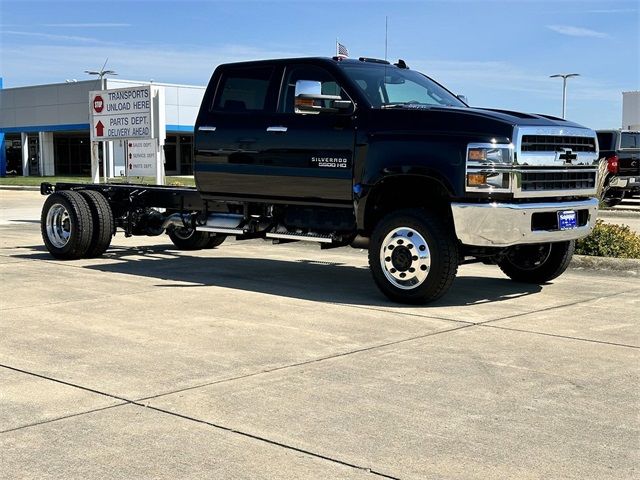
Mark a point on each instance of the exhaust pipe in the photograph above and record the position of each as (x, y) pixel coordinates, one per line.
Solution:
(177, 220)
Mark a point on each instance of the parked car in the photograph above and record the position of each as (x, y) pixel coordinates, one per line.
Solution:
(621, 148)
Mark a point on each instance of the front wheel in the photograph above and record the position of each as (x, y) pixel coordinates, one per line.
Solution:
(538, 263)
(413, 256)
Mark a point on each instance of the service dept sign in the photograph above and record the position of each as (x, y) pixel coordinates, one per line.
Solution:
(121, 113)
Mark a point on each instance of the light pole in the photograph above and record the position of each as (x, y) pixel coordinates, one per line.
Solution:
(101, 73)
(564, 77)
(94, 145)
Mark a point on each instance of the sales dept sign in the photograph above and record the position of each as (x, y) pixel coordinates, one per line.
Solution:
(141, 158)
(121, 113)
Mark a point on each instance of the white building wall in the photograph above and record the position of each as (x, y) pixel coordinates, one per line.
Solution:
(64, 104)
(46, 105)
(631, 110)
(47, 164)
(182, 102)
(41, 110)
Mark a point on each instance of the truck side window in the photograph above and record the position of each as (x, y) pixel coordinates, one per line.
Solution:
(243, 89)
(306, 72)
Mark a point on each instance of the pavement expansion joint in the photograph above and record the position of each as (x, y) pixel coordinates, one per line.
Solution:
(267, 440)
(408, 314)
(64, 417)
(63, 382)
(554, 307)
(81, 300)
(555, 335)
(307, 362)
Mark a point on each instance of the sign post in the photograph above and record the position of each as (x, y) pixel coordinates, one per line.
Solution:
(128, 114)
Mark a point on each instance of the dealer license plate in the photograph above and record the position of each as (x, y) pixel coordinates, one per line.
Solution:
(567, 220)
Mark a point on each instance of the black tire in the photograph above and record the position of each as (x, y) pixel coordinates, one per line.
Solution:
(190, 239)
(613, 197)
(104, 226)
(66, 225)
(215, 240)
(538, 263)
(413, 256)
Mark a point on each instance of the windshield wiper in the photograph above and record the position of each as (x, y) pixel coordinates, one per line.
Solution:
(406, 105)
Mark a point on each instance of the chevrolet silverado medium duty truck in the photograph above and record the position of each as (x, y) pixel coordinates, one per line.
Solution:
(361, 153)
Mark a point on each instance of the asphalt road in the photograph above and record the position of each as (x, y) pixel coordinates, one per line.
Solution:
(257, 361)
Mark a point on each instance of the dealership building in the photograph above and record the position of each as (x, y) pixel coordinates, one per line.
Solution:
(46, 128)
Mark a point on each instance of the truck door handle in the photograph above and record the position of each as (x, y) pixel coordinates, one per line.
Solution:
(276, 129)
(206, 129)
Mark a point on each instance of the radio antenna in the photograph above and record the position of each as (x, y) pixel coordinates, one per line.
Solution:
(386, 35)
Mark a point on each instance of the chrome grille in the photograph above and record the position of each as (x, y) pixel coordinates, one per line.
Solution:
(533, 181)
(556, 143)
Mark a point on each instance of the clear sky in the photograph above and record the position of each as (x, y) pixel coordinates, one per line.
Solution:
(497, 53)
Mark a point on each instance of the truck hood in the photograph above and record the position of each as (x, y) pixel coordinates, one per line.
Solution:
(462, 120)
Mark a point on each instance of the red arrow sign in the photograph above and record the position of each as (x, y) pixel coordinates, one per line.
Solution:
(99, 129)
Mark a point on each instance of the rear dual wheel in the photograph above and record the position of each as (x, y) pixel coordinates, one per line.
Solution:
(76, 224)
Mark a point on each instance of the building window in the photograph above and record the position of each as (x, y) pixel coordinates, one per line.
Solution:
(72, 154)
(186, 154)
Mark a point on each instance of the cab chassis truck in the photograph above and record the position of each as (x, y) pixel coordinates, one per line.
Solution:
(362, 153)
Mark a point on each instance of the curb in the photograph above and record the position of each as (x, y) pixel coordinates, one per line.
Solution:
(619, 213)
(628, 267)
(20, 187)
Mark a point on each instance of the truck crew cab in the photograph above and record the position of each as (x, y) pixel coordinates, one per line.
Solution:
(372, 155)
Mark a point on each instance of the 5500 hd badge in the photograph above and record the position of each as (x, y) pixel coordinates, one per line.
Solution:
(330, 162)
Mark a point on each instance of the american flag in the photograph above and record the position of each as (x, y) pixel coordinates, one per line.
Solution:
(342, 50)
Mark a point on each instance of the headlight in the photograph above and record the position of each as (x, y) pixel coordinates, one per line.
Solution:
(484, 155)
(489, 167)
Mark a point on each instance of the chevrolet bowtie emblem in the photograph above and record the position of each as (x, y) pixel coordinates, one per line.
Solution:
(567, 156)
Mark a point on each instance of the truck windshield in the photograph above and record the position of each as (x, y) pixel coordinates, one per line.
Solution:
(391, 87)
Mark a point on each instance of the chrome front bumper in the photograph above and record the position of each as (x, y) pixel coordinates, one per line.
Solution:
(506, 224)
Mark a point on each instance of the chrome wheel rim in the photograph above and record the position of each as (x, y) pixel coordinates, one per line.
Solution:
(58, 225)
(529, 257)
(183, 233)
(405, 258)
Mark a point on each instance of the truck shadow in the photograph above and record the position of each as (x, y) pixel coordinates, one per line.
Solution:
(296, 278)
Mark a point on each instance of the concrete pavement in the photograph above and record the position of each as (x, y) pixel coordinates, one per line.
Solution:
(259, 361)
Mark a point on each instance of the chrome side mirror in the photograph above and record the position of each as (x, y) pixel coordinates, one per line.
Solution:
(309, 99)
(308, 89)
(463, 98)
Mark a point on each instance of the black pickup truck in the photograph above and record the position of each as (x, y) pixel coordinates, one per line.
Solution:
(362, 153)
(621, 148)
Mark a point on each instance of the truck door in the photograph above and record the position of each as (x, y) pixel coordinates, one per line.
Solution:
(310, 155)
(228, 160)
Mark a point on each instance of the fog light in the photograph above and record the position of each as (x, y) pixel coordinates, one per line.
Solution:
(476, 179)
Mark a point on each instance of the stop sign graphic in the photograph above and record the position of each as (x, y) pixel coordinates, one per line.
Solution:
(98, 103)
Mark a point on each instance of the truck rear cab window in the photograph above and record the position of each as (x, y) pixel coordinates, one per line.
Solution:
(630, 140)
(243, 90)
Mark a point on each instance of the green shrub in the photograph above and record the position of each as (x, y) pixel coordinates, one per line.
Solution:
(610, 240)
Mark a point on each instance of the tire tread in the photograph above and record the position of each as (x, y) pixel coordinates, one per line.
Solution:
(82, 227)
(445, 264)
(103, 223)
